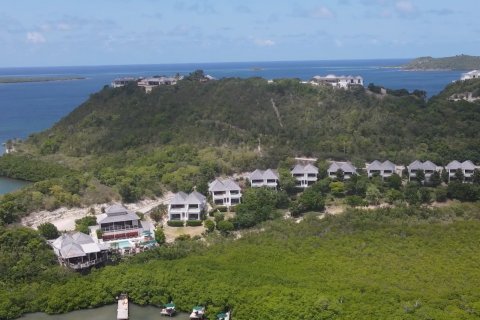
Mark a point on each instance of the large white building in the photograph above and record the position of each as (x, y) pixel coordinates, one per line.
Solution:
(306, 175)
(149, 83)
(428, 168)
(225, 192)
(383, 169)
(185, 207)
(264, 178)
(347, 167)
(344, 82)
(474, 74)
(467, 168)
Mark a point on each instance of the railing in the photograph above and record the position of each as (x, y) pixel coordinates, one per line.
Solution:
(82, 265)
(120, 229)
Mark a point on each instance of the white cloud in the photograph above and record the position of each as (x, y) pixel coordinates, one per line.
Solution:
(35, 38)
(405, 6)
(322, 12)
(264, 42)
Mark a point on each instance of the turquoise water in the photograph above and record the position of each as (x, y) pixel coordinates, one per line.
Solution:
(106, 313)
(124, 244)
(8, 185)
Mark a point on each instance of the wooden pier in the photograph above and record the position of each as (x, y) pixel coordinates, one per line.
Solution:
(122, 309)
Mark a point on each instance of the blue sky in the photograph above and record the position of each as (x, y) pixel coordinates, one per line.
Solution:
(104, 32)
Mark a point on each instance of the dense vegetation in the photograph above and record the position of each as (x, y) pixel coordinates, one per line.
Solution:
(123, 143)
(460, 62)
(402, 263)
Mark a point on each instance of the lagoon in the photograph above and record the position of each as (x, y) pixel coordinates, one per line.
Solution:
(106, 313)
(8, 185)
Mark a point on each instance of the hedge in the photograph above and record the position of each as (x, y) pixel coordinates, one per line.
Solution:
(194, 223)
(175, 223)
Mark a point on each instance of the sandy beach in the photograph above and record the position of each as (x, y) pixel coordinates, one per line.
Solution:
(64, 218)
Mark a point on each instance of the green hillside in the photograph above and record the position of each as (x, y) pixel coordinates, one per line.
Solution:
(460, 62)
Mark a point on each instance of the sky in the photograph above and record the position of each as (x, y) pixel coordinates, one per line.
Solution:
(112, 32)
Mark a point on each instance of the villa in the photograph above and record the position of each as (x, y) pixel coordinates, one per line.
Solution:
(467, 168)
(185, 207)
(474, 74)
(264, 178)
(383, 169)
(121, 82)
(344, 82)
(348, 169)
(427, 167)
(119, 223)
(306, 175)
(149, 83)
(79, 251)
(225, 192)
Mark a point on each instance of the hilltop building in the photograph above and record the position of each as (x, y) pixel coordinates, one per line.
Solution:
(383, 169)
(225, 192)
(121, 82)
(264, 178)
(427, 167)
(474, 74)
(467, 168)
(118, 223)
(344, 82)
(149, 83)
(347, 167)
(185, 207)
(306, 175)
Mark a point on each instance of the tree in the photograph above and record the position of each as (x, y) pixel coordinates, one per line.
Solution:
(48, 231)
(420, 176)
(287, 182)
(459, 176)
(373, 195)
(225, 227)
(411, 193)
(445, 176)
(425, 195)
(394, 182)
(476, 176)
(209, 225)
(435, 179)
(355, 201)
(340, 175)
(337, 188)
(160, 235)
(159, 212)
(312, 200)
(394, 195)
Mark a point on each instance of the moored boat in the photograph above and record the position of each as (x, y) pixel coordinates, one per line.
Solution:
(223, 316)
(168, 310)
(122, 307)
(198, 312)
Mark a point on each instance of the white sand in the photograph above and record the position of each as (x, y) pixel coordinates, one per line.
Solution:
(64, 218)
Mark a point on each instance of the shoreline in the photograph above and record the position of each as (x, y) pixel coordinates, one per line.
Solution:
(9, 80)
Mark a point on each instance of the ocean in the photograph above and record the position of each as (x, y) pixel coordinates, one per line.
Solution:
(26, 108)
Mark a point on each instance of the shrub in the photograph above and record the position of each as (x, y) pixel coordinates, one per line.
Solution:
(183, 237)
(48, 231)
(222, 208)
(160, 235)
(225, 227)
(194, 223)
(209, 225)
(441, 194)
(355, 201)
(82, 224)
(175, 223)
(219, 217)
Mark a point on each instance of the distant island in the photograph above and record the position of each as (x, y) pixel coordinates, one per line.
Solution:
(37, 79)
(460, 62)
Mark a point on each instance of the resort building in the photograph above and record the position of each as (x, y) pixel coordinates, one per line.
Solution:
(185, 207)
(121, 82)
(474, 74)
(79, 251)
(225, 192)
(467, 168)
(427, 167)
(383, 169)
(347, 167)
(119, 223)
(264, 178)
(306, 175)
(344, 82)
(149, 83)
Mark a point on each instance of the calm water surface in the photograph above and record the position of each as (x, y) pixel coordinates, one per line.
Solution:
(8, 185)
(106, 313)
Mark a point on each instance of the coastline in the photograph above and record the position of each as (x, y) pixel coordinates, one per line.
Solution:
(12, 80)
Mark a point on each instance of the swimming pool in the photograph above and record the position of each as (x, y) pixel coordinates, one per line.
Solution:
(123, 244)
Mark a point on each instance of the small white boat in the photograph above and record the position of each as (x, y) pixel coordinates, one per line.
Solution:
(223, 316)
(122, 307)
(198, 312)
(168, 310)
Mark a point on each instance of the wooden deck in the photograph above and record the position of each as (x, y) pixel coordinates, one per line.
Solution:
(122, 309)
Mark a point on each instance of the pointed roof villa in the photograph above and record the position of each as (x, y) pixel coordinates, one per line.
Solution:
(219, 185)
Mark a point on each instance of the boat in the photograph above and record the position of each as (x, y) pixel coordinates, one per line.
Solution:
(223, 316)
(198, 312)
(168, 310)
(122, 307)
